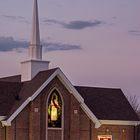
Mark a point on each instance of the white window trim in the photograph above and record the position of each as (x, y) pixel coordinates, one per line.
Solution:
(2, 118)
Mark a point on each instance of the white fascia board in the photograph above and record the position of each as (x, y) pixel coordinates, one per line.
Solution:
(2, 118)
(119, 122)
(91, 115)
(8, 122)
(70, 88)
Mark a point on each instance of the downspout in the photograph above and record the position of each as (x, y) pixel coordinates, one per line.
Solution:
(90, 131)
(135, 133)
(15, 129)
(5, 132)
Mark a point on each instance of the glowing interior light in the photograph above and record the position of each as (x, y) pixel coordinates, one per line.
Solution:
(55, 110)
(54, 113)
(105, 137)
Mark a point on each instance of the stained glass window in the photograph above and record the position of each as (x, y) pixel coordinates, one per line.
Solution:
(55, 110)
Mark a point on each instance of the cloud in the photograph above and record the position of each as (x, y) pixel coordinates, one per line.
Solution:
(60, 47)
(81, 24)
(9, 44)
(134, 32)
(50, 21)
(75, 25)
(17, 18)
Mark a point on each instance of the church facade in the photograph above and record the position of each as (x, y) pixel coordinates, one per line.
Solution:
(42, 104)
(49, 107)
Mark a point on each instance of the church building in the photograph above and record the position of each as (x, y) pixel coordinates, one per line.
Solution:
(42, 104)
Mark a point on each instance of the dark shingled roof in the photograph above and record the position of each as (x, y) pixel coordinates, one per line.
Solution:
(8, 94)
(107, 103)
(13, 94)
(16, 78)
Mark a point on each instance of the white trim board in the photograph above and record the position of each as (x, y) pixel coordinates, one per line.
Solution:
(69, 87)
(119, 122)
(91, 115)
(2, 118)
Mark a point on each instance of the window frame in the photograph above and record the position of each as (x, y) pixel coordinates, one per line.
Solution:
(62, 117)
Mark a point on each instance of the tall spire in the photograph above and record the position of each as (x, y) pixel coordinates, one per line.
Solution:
(35, 48)
(35, 64)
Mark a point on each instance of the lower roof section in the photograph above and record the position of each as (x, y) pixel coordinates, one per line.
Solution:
(108, 103)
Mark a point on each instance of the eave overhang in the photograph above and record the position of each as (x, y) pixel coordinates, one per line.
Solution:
(119, 122)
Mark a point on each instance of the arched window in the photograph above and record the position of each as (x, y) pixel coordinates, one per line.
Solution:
(55, 110)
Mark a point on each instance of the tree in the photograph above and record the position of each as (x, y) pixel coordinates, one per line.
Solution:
(133, 100)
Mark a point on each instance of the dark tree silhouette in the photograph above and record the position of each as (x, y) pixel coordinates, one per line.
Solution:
(133, 100)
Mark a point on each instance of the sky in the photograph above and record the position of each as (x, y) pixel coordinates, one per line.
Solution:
(94, 42)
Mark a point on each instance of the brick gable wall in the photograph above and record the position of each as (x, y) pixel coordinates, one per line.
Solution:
(2, 132)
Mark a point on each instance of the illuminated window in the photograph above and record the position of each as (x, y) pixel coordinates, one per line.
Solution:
(105, 137)
(55, 110)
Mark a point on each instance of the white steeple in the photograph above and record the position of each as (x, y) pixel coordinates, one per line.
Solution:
(35, 64)
(35, 48)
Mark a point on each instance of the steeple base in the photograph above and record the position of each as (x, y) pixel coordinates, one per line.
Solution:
(30, 68)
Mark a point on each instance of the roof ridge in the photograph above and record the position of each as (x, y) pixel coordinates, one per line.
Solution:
(14, 78)
(48, 70)
(10, 76)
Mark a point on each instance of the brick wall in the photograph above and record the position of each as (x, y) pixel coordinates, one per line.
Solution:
(19, 130)
(85, 126)
(118, 132)
(74, 119)
(137, 133)
(2, 132)
(89, 132)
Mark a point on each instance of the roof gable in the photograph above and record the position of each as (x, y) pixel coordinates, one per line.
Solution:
(42, 82)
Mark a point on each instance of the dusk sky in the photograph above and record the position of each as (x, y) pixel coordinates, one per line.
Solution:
(94, 42)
